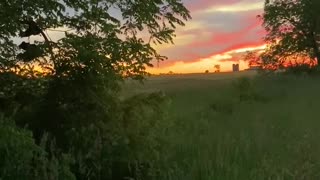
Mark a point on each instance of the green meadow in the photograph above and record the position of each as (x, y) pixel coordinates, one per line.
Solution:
(234, 126)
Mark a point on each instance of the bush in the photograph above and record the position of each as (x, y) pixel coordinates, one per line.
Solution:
(21, 158)
(246, 91)
(99, 131)
(300, 69)
(125, 145)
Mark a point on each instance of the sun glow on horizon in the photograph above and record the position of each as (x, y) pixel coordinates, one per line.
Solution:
(225, 60)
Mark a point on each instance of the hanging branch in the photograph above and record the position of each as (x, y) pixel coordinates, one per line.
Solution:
(31, 51)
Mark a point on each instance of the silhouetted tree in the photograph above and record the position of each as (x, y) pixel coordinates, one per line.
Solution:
(253, 58)
(292, 28)
(217, 68)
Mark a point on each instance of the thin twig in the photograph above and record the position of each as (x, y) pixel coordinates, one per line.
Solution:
(59, 30)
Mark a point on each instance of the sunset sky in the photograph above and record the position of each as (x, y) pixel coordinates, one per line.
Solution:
(219, 33)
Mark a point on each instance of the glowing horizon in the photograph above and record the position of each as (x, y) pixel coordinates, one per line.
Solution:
(225, 60)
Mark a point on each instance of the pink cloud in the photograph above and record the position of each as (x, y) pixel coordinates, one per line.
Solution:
(220, 37)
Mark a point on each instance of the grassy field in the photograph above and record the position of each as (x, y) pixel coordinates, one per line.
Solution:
(240, 126)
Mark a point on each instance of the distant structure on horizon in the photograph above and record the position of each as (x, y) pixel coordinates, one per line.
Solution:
(217, 68)
(235, 67)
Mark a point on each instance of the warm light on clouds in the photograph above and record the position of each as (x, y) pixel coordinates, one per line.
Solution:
(241, 50)
(236, 7)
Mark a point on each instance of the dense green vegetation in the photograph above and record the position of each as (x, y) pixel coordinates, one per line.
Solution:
(209, 126)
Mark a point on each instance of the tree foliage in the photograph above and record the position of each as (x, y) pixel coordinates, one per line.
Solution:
(253, 58)
(292, 29)
(109, 28)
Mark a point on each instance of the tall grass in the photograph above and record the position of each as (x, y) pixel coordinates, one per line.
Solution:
(258, 128)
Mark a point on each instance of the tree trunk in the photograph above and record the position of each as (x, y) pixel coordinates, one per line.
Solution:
(316, 48)
(317, 54)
